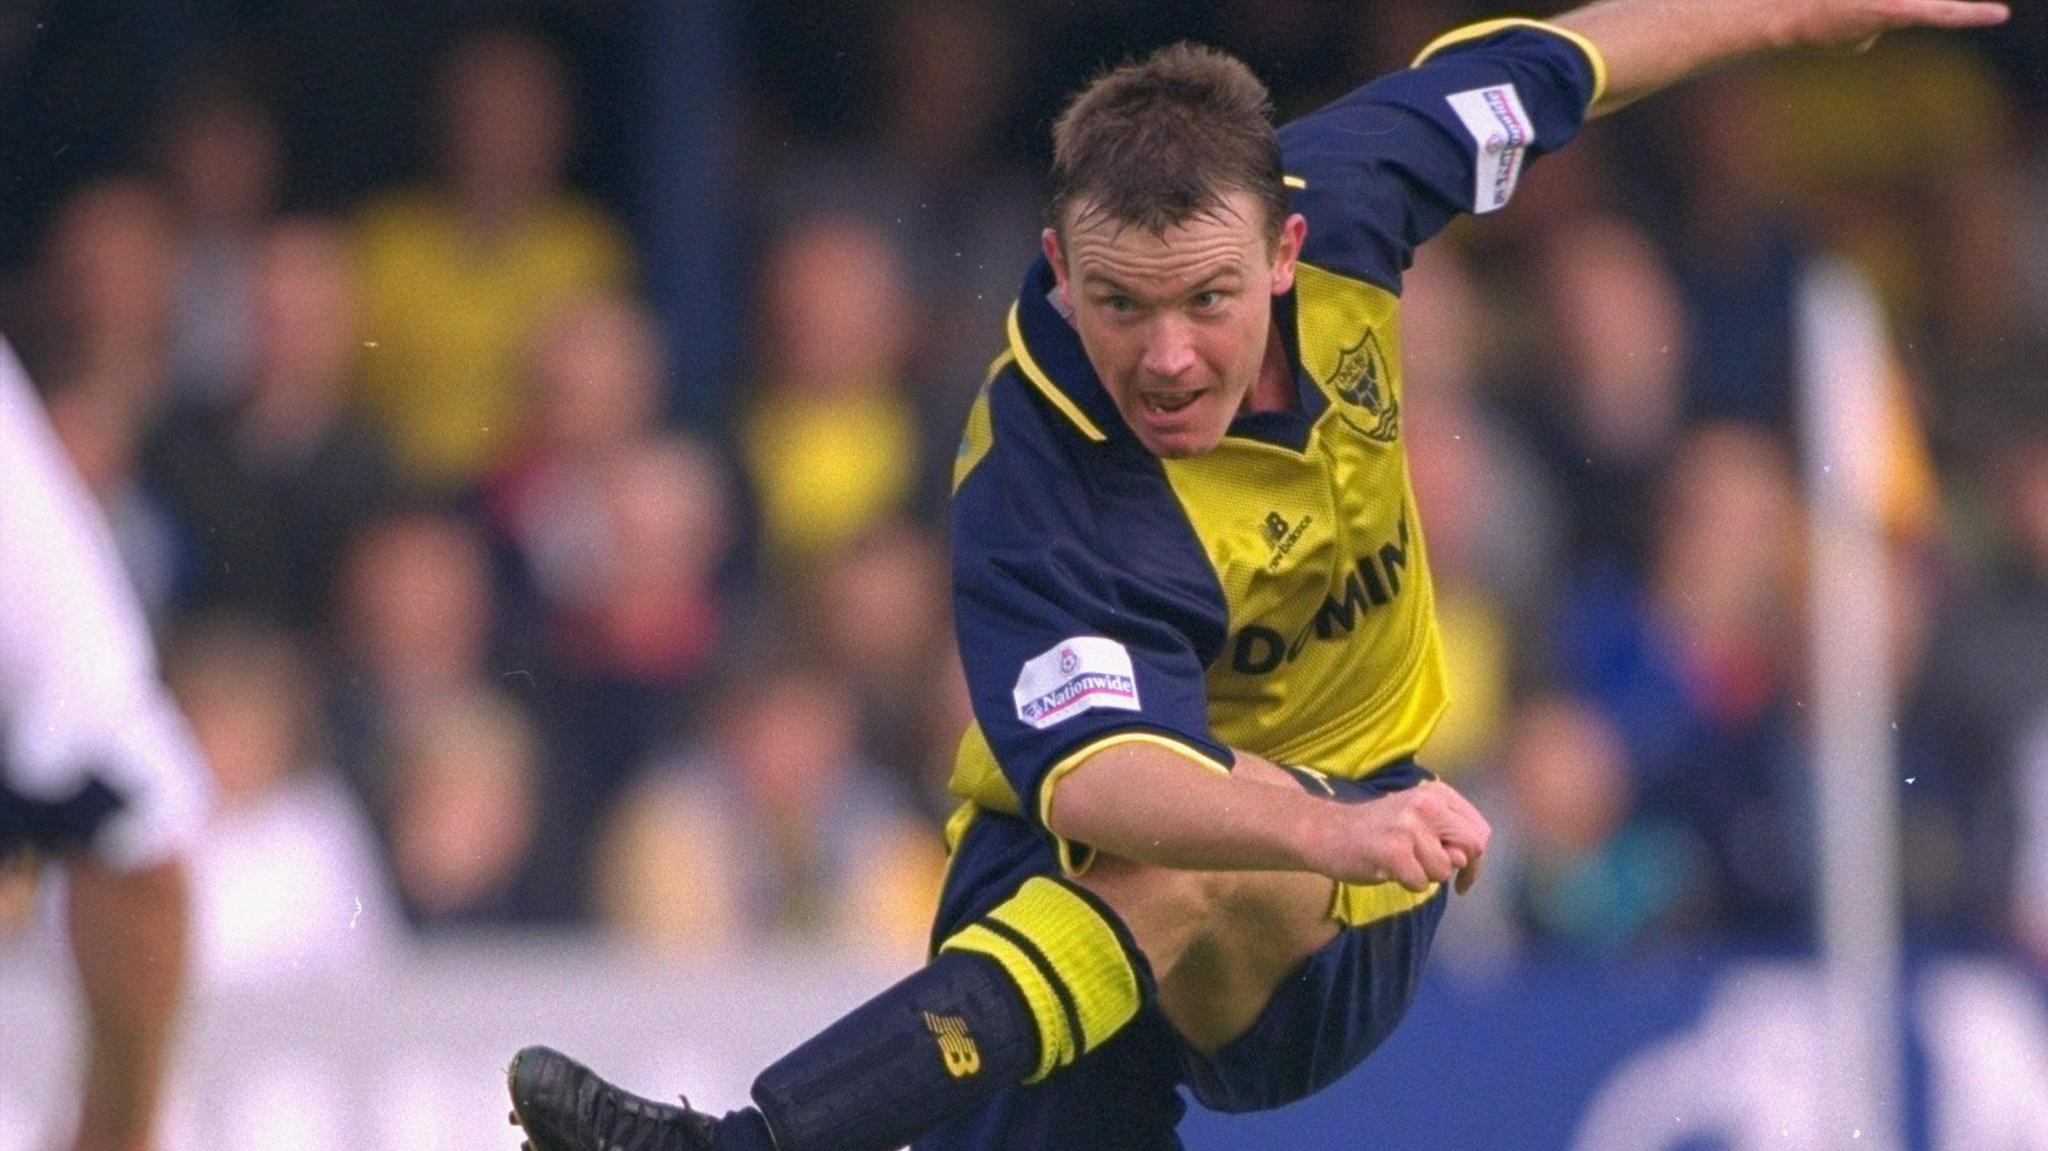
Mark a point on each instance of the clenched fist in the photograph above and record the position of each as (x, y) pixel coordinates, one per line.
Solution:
(1426, 834)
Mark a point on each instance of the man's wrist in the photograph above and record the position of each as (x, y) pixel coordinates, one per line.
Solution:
(1316, 832)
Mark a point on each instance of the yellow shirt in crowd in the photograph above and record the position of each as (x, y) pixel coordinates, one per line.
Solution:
(827, 468)
(450, 319)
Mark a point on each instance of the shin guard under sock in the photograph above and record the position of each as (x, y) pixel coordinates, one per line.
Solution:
(1041, 980)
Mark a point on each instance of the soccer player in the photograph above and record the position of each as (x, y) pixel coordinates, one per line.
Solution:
(1185, 555)
(98, 770)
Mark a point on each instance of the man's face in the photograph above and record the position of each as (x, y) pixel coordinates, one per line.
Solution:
(1176, 323)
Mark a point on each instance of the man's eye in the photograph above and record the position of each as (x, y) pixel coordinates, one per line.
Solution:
(1119, 304)
(1205, 301)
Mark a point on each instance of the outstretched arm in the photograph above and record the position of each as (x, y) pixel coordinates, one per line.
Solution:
(1138, 802)
(1649, 44)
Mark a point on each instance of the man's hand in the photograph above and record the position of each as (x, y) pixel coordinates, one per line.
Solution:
(1417, 837)
(1857, 23)
(1649, 44)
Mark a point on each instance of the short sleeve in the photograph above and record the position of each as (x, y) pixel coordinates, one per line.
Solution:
(1383, 169)
(91, 745)
(1085, 610)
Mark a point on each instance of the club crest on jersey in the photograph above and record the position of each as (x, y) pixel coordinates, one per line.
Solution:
(1361, 380)
(1076, 675)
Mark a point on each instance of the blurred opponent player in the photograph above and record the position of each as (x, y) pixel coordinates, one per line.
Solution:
(1183, 525)
(98, 771)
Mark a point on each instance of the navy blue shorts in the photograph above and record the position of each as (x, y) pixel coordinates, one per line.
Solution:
(55, 827)
(1322, 1022)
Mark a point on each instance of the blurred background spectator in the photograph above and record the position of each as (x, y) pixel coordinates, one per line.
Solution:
(221, 161)
(462, 798)
(413, 623)
(267, 483)
(1590, 873)
(830, 435)
(288, 883)
(457, 269)
(1692, 666)
(773, 826)
(1608, 417)
(375, 328)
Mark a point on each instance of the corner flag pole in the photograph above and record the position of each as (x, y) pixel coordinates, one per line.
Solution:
(1844, 364)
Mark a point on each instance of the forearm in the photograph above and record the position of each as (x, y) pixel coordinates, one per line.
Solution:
(1652, 44)
(1149, 805)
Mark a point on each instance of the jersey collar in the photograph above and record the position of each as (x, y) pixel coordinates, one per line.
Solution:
(1049, 353)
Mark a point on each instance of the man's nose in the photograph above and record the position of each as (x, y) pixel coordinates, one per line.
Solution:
(1169, 347)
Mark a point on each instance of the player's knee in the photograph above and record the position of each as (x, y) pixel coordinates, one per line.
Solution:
(1140, 892)
(1143, 893)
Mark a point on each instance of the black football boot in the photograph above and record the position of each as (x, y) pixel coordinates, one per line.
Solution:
(563, 1106)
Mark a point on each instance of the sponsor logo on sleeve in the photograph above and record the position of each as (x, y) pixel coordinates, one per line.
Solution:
(1502, 131)
(1076, 675)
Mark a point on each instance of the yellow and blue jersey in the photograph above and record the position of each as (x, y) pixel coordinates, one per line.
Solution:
(1274, 593)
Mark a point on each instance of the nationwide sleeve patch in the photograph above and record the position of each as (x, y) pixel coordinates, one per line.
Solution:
(1502, 131)
(1076, 675)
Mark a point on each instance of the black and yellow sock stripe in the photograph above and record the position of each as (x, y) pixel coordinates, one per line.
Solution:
(1069, 960)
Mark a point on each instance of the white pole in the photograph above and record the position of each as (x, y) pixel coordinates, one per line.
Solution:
(1843, 358)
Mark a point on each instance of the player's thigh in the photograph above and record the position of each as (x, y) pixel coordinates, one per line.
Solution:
(1218, 943)
(1335, 1008)
(1325, 1018)
(1225, 978)
(1256, 914)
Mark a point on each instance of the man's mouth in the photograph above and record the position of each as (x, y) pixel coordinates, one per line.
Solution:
(1166, 403)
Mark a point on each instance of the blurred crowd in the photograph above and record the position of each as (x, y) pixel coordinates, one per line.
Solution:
(476, 631)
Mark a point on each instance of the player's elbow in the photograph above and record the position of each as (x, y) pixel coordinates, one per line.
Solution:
(1076, 808)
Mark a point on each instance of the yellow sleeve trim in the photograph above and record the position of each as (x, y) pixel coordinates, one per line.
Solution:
(1068, 864)
(1488, 27)
(1044, 383)
(1294, 182)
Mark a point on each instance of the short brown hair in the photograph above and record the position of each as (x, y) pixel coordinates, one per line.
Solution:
(1160, 141)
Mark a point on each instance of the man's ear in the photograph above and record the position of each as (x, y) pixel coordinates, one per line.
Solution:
(1057, 257)
(1287, 251)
